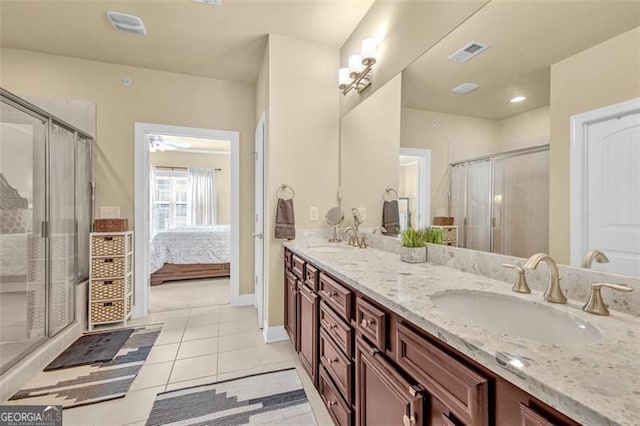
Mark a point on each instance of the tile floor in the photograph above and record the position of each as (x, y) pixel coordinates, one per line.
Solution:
(197, 346)
(188, 294)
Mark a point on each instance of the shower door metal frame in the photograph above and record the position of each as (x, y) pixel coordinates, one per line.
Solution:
(49, 120)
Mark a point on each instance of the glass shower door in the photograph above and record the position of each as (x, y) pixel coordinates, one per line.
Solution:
(22, 246)
(478, 208)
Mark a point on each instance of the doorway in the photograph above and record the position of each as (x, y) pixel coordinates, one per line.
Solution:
(414, 188)
(187, 198)
(605, 202)
(258, 234)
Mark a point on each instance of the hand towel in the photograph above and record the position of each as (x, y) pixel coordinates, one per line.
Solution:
(391, 217)
(285, 220)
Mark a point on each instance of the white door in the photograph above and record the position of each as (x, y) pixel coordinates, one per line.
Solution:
(613, 193)
(259, 220)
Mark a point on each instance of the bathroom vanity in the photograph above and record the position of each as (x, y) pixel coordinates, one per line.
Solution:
(380, 352)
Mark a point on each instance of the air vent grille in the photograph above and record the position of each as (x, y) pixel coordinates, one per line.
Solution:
(469, 51)
(465, 88)
(128, 23)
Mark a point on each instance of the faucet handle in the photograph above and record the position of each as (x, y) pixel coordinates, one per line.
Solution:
(520, 286)
(595, 305)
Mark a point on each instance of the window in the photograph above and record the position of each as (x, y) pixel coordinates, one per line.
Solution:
(170, 199)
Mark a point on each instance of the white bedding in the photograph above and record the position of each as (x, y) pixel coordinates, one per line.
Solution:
(190, 245)
(13, 254)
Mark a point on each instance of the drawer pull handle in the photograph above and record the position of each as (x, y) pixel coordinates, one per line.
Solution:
(108, 261)
(108, 238)
(332, 360)
(332, 326)
(330, 294)
(331, 403)
(107, 304)
(367, 322)
(408, 421)
(108, 282)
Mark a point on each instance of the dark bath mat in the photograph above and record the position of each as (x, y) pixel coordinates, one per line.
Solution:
(91, 349)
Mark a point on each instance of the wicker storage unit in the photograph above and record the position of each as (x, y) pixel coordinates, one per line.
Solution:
(111, 277)
(110, 225)
(449, 235)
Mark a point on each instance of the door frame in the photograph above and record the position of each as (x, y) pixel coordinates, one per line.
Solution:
(578, 170)
(424, 184)
(259, 263)
(142, 209)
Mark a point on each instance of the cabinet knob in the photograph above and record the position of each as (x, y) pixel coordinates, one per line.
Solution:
(408, 421)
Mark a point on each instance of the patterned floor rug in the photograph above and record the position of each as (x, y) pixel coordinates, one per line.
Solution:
(275, 398)
(88, 384)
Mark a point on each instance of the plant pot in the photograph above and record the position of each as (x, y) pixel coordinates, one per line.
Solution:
(413, 254)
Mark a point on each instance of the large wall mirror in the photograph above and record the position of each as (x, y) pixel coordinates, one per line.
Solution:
(500, 165)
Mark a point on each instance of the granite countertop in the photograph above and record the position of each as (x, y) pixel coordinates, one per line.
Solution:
(594, 384)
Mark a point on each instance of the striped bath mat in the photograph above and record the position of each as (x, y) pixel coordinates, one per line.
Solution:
(275, 398)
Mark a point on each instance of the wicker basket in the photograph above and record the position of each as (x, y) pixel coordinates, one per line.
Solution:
(107, 267)
(110, 225)
(107, 311)
(109, 245)
(107, 289)
(442, 221)
(449, 235)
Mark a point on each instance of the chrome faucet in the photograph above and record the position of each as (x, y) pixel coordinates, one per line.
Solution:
(352, 235)
(553, 293)
(596, 255)
(379, 228)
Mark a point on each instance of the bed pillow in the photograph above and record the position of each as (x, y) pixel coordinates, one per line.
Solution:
(15, 221)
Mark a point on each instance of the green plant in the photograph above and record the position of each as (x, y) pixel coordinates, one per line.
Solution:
(434, 235)
(414, 237)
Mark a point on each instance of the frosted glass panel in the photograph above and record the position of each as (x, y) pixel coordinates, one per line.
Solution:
(458, 198)
(521, 205)
(62, 227)
(22, 248)
(478, 217)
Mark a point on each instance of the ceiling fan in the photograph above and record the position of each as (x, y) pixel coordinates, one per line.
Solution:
(165, 143)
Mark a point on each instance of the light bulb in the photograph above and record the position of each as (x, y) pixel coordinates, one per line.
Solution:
(343, 77)
(369, 47)
(355, 65)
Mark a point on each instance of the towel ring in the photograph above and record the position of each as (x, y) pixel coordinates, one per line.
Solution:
(387, 191)
(282, 188)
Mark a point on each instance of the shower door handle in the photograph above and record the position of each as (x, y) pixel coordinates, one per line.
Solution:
(258, 235)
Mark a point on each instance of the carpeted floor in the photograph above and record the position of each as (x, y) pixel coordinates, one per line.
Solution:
(189, 294)
(269, 398)
(88, 384)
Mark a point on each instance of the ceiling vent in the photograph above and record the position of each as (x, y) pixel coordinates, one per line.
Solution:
(128, 23)
(469, 51)
(465, 88)
(209, 2)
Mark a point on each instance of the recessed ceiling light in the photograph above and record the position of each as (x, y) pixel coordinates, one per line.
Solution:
(518, 99)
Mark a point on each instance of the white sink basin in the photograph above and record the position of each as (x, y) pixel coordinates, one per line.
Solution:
(516, 317)
(330, 248)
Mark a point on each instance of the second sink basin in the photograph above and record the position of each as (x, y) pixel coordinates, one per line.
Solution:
(516, 317)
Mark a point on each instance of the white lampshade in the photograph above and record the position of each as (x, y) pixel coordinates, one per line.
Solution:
(355, 63)
(343, 77)
(369, 47)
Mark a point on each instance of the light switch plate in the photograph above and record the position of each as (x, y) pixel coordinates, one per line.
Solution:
(111, 212)
(313, 213)
(363, 213)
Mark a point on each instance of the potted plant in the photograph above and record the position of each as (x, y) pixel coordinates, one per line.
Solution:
(435, 235)
(413, 248)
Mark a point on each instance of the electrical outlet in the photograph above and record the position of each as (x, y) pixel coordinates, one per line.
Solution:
(313, 213)
(363, 213)
(110, 212)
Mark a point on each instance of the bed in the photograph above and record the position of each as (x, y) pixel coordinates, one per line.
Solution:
(190, 253)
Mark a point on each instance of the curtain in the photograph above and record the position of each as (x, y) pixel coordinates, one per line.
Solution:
(203, 196)
(152, 206)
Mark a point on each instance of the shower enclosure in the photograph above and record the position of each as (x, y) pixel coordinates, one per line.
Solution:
(501, 202)
(45, 219)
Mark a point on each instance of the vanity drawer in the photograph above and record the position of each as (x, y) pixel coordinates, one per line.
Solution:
(339, 367)
(371, 323)
(462, 390)
(297, 266)
(335, 327)
(312, 275)
(340, 411)
(287, 259)
(336, 295)
(529, 417)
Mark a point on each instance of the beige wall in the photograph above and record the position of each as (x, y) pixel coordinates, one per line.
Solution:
(605, 74)
(408, 187)
(404, 30)
(303, 145)
(155, 97)
(452, 138)
(211, 161)
(524, 130)
(370, 151)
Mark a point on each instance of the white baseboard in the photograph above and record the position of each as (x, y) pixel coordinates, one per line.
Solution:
(243, 300)
(274, 334)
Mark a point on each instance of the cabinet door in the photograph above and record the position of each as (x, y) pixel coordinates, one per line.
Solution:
(291, 308)
(308, 336)
(383, 396)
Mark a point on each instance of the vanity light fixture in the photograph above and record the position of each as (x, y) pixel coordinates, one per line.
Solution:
(518, 99)
(358, 75)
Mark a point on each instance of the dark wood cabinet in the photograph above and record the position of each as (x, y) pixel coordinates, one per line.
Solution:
(291, 307)
(373, 367)
(308, 306)
(383, 396)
